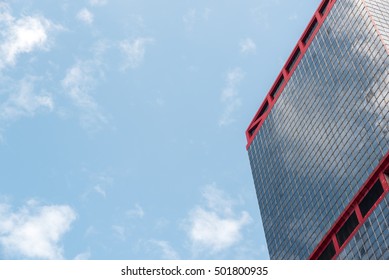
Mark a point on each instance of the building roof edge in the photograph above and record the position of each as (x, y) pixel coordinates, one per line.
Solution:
(288, 69)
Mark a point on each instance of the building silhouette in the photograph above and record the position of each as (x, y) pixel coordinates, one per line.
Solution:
(319, 143)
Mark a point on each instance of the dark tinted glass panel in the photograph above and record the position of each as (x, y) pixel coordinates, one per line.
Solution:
(264, 109)
(280, 82)
(324, 7)
(371, 198)
(347, 228)
(310, 31)
(293, 60)
(328, 252)
(252, 130)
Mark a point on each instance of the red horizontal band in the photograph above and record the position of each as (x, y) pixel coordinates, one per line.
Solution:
(288, 69)
(379, 176)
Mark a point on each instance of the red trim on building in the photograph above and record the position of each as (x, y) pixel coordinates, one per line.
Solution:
(288, 69)
(384, 177)
(379, 174)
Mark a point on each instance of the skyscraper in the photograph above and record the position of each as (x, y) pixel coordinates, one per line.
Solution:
(319, 143)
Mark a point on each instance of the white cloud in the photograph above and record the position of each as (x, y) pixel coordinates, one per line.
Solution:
(167, 250)
(234, 77)
(215, 226)
(101, 185)
(190, 18)
(78, 84)
(293, 16)
(34, 231)
(85, 16)
(193, 16)
(134, 51)
(217, 200)
(100, 48)
(24, 102)
(261, 16)
(98, 2)
(161, 223)
(136, 212)
(119, 232)
(90, 231)
(215, 232)
(83, 256)
(23, 35)
(100, 190)
(207, 13)
(79, 81)
(229, 97)
(247, 46)
(160, 102)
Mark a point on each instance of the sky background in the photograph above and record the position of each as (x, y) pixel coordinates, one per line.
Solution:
(122, 125)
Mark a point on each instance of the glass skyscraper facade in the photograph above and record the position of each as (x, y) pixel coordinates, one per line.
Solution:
(319, 143)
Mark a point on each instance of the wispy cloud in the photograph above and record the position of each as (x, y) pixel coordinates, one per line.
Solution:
(100, 190)
(261, 16)
(206, 13)
(79, 80)
(79, 83)
(134, 51)
(215, 226)
(293, 16)
(136, 212)
(23, 101)
(119, 232)
(192, 16)
(247, 46)
(230, 97)
(166, 249)
(98, 2)
(35, 230)
(83, 256)
(22, 35)
(85, 16)
(101, 185)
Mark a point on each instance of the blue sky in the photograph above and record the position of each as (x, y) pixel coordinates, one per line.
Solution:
(122, 125)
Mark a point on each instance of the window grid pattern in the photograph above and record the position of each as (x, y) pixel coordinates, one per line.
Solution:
(379, 10)
(325, 135)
